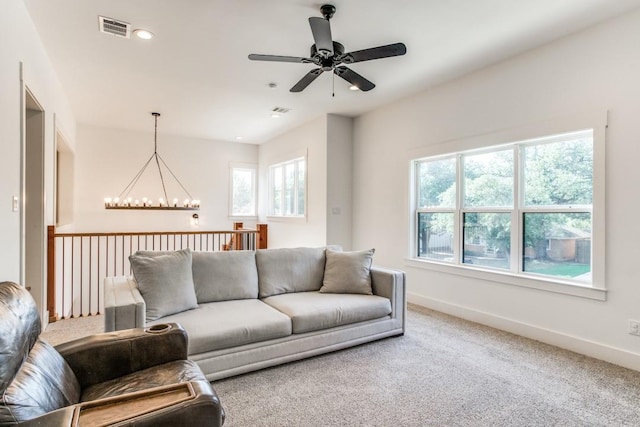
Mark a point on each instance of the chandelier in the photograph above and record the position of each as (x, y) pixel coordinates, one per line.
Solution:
(124, 201)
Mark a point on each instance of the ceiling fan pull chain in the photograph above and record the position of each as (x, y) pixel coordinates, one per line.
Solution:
(333, 85)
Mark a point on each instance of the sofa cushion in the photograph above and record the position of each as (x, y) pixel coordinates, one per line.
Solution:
(312, 311)
(348, 272)
(165, 282)
(224, 324)
(223, 276)
(289, 270)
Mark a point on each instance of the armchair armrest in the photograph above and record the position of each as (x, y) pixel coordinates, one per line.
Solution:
(192, 403)
(109, 355)
(124, 307)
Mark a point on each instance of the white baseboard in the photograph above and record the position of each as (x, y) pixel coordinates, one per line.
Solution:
(593, 349)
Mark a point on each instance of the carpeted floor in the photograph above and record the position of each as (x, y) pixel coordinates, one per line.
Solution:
(443, 372)
(70, 329)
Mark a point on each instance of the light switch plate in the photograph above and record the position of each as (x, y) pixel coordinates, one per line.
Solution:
(14, 204)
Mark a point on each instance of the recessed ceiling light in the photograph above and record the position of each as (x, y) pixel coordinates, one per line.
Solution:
(238, 138)
(275, 115)
(354, 87)
(143, 34)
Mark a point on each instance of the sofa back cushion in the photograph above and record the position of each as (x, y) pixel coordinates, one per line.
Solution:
(287, 270)
(224, 276)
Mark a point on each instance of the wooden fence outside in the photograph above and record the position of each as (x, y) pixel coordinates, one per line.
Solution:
(77, 263)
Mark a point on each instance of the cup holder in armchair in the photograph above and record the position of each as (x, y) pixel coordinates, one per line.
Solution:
(158, 329)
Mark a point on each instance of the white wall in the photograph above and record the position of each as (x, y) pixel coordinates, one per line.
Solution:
(327, 142)
(312, 139)
(107, 159)
(20, 43)
(339, 180)
(597, 69)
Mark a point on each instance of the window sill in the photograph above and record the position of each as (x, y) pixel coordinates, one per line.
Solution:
(293, 219)
(236, 218)
(532, 282)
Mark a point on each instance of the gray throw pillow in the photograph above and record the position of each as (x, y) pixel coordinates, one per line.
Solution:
(348, 272)
(165, 282)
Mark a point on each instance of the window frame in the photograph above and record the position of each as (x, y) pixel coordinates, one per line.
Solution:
(518, 137)
(254, 184)
(295, 161)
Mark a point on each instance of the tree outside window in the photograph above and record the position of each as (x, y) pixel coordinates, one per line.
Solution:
(536, 193)
(243, 191)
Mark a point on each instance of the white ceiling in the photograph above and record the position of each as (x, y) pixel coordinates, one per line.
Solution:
(196, 72)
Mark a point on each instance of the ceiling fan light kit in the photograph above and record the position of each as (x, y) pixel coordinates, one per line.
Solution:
(329, 55)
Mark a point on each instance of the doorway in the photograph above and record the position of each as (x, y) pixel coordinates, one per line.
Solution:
(33, 206)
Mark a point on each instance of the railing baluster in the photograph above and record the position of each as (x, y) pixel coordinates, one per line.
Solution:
(63, 277)
(90, 268)
(98, 272)
(81, 270)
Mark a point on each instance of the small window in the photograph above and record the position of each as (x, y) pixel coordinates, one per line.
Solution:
(243, 190)
(287, 188)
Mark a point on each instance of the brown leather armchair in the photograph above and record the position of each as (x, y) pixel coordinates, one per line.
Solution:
(136, 377)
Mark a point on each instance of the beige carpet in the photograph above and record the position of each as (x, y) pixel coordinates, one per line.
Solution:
(443, 372)
(71, 329)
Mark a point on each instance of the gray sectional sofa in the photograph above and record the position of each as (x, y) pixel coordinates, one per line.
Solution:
(248, 310)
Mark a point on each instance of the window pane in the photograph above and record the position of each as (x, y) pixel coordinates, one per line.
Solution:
(276, 201)
(487, 239)
(488, 179)
(437, 183)
(559, 173)
(435, 236)
(289, 179)
(301, 187)
(243, 192)
(558, 244)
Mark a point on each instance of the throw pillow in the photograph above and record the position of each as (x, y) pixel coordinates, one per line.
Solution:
(348, 272)
(165, 282)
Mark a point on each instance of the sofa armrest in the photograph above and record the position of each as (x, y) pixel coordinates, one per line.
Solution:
(124, 307)
(391, 284)
(109, 355)
(191, 403)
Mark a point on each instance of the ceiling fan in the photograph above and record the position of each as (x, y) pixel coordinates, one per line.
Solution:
(328, 55)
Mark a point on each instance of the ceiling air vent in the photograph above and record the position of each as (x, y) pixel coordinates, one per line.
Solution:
(280, 110)
(112, 26)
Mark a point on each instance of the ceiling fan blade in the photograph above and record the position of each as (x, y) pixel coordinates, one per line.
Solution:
(306, 80)
(321, 29)
(387, 51)
(277, 58)
(354, 78)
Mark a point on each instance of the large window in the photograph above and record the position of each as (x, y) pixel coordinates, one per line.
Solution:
(523, 208)
(243, 190)
(287, 188)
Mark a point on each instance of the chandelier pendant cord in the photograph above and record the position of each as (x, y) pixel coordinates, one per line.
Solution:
(155, 153)
(174, 177)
